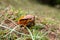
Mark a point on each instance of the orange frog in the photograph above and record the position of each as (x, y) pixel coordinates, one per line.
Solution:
(28, 20)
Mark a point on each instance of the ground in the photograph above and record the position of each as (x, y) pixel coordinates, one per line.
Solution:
(46, 23)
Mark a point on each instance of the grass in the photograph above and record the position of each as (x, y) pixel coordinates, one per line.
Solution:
(38, 28)
(33, 8)
(47, 20)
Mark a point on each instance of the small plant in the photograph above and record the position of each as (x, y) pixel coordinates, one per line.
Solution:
(36, 35)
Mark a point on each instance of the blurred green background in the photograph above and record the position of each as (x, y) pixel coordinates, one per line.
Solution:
(35, 7)
(46, 11)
